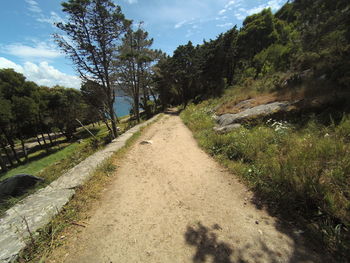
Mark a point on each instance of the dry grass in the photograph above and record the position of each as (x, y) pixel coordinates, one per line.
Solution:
(235, 106)
(270, 89)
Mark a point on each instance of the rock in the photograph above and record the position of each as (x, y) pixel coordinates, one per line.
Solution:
(246, 104)
(17, 185)
(253, 113)
(146, 142)
(227, 128)
(215, 117)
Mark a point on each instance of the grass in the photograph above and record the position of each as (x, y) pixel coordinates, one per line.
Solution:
(300, 169)
(58, 153)
(73, 215)
(35, 167)
(50, 168)
(54, 165)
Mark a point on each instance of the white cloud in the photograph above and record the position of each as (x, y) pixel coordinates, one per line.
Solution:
(180, 24)
(39, 50)
(275, 4)
(221, 18)
(131, 1)
(5, 63)
(42, 18)
(222, 11)
(33, 6)
(233, 3)
(225, 25)
(243, 12)
(240, 16)
(52, 19)
(229, 6)
(42, 73)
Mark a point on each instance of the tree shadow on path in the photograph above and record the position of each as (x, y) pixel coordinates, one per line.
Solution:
(207, 244)
(210, 249)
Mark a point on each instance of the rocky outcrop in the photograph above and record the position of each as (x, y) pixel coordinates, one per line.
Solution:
(254, 113)
(247, 112)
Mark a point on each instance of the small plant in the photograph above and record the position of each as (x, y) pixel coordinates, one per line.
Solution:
(108, 168)
(278, 126)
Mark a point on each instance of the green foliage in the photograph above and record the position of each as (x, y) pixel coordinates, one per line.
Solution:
(272, 59)
(36, 166)
(93, 30)
(28, 111)
(258, 32)
(303, 171)
(302, 35)
(134, 69)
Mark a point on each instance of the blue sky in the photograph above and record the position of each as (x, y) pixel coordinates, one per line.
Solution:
(26, 30)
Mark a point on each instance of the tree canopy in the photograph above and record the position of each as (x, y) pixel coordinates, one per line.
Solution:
(302, 35)
(91, 39)
(28, 110)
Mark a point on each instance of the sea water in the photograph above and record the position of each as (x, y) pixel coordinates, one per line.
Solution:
(122, 106)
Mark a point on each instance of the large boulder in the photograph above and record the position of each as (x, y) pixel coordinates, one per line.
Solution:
(17, 185)
(245, 111)
(254, 113)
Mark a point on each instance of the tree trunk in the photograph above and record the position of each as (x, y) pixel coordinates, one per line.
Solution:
(51, 143)
(113, 121)
(3, 146)
(8, 157)
(15, 153)
(24, 150)
(38, 140)
(12, 146)
(56, 142)
(107, 125)
(46, 146)
(43, 137)
(2, 164)
(137, 108)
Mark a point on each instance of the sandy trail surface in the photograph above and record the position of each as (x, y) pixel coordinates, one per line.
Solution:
(171, 202)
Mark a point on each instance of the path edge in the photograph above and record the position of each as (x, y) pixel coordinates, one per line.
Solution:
(35, 211)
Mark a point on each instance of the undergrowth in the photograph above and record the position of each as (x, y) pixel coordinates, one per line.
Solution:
(301, 171)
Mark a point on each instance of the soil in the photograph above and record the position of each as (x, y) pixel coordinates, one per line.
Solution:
(171, 202)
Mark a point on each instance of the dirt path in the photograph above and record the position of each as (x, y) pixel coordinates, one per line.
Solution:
(170, 202)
